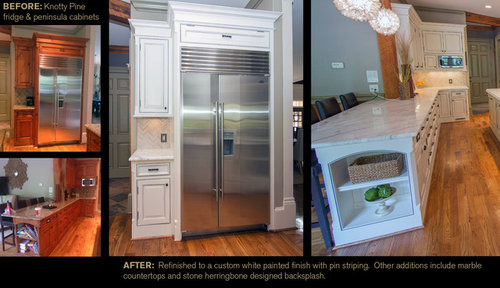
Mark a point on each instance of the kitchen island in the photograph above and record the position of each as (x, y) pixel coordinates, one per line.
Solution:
(39, 235)
(409, 128)
(494, 110)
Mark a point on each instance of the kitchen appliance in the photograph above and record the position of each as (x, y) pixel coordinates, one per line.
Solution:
(29, 101)
(88, 182)
(60, 91)
(451, 62)
(225, 140)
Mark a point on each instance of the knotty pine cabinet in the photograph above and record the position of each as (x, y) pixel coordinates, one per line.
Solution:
(23, 127)
(24, 62)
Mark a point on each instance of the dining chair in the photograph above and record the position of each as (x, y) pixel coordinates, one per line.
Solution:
(348, 100)
(22, 204)
(6, 223)
(40, 199)
(33, 201)
(314, 114)
(328, 107)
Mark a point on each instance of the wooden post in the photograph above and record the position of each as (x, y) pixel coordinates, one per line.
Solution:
(388, 60)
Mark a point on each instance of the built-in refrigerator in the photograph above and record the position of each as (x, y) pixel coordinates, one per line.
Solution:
(59, 98)
(225, 164)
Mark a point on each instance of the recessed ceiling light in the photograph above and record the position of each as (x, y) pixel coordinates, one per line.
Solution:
(487, 6)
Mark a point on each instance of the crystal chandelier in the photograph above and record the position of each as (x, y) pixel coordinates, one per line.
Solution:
(359, 10)
(386, 22)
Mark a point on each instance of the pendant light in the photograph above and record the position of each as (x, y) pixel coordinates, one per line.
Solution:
(385, 22)
(359, 10)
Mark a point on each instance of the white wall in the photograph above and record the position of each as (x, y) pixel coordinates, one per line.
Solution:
(40, 177)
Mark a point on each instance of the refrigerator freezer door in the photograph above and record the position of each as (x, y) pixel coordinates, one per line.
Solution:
(46, 113)
(199, 196)
(68, 98)
(245, 179)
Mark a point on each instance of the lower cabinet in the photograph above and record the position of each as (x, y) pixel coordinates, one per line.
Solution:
(23, 127)
(454, 105)
(153, 201)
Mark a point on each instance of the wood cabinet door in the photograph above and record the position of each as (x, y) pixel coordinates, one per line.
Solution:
(153, 201)
(154, 75)
(24, 67)
(23, 128)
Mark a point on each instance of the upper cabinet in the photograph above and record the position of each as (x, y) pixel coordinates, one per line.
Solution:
(24, 62)
(429, 40)
(443, 42)
(151, 68)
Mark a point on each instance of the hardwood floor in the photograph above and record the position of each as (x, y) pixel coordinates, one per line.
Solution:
(8, 146)
(463, 210)
(82, 239)
(283, 243)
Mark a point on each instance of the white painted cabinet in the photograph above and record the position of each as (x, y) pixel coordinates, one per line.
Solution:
(153, 201)
(454, 105)
(443, 42)
(492, 112)
(151, 68)
(431, 62)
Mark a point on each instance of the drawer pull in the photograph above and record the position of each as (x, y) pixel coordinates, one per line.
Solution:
(227, 36)
(153, 169)
(166, 184)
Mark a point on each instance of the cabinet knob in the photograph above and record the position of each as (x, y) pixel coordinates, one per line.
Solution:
(166, 184)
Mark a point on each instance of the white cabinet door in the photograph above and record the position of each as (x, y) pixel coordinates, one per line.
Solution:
(432, 42)
(153, 201)
(445, 103)
(416, 47)
(431, 62)
(154, 76)
(459, 107)
(452, 42)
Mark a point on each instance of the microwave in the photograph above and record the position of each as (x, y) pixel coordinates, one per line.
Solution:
(451, 62)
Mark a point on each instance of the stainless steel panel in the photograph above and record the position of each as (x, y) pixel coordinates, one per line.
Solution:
(46, 112)
(199, 203)
(246, 167)
(224, 61)
(68, 97)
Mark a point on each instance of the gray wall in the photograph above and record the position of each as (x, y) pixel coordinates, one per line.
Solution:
(335, 37)
(40, 177)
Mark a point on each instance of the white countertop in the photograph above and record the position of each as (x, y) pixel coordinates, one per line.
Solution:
(396, 119)
(494, 92)
(151, 155)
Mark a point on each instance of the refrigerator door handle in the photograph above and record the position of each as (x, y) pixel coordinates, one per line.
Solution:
(54, 119)
(217, 151)
(222, 152)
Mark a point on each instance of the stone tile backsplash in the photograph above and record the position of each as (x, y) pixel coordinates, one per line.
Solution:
(441, 78)
(149, 133)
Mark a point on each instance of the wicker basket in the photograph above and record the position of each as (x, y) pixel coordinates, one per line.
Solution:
(369, 168)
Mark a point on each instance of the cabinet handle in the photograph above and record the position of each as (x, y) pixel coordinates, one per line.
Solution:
(153, 169)
(166, 184)
(227, 36)
(165, 108)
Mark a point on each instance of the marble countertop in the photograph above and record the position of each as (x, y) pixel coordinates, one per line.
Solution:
(29, 212)
(377, 120)
(151, 155)
(494, 92)
(23, 107)
(95, 128)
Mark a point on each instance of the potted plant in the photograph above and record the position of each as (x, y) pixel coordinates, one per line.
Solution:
(406, 87)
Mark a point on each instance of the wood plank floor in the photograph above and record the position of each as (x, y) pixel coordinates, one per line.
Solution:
(8, 146)
(82, 239)
(463, 210)
(283, 243)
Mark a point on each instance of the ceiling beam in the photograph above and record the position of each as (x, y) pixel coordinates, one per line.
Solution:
(116, 49)
(119, 12)
(480, 27)
(388, 59)
(481, 19)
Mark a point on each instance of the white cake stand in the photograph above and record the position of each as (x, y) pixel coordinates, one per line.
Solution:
(383, 208)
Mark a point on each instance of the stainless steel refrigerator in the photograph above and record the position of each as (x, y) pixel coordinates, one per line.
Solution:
(225, 140)
(60, 92)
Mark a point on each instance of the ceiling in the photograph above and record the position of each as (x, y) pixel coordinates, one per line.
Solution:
(473, 6)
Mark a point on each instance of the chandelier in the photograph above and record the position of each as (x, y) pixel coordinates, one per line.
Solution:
(382, 20)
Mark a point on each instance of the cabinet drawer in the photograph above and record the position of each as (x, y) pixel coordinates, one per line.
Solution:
(458, 93)
(152, 169)
(224, 36)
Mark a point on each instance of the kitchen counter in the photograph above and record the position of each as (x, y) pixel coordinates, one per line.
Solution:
(377, 120)
(23, 107)
(94, 128)
(28, 213)
(151, 155)
(494, 92)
